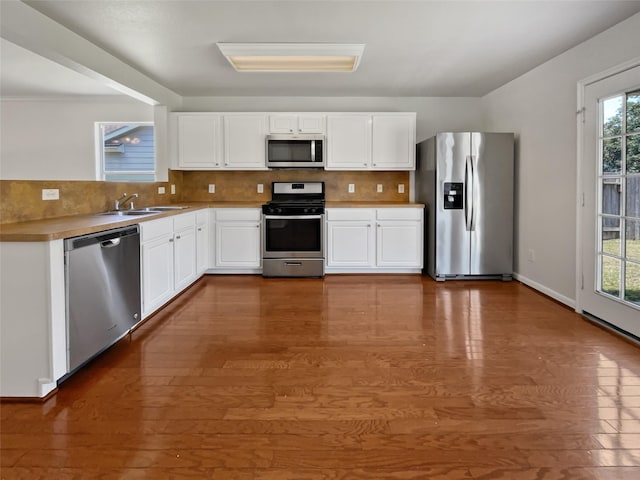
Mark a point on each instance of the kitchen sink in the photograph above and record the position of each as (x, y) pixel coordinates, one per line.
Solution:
(166, 208)
(126, 213)
(143, 211)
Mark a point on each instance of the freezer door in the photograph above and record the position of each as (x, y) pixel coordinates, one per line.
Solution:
(492, 219)
(452, 238)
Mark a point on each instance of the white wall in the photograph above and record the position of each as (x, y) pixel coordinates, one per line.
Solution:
(434, 114)
(540, 107)
(54, 139)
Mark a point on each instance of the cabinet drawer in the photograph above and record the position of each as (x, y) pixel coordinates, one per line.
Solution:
(237, 214)
(350, 214)
(399, 213)
(156, 228)
(183, 221)
(202, 216)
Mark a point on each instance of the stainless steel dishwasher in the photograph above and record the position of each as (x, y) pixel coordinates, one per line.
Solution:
(102, 287)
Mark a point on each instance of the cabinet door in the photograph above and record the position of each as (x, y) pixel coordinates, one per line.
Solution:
(311, 123)
(283, 124)
(245, 142)
(394, 142)
(202, 247)
(399, 243)
(157, 273)
(199, 141)
(237, 244)
(350, 244)
(349, 142)
(185, 257)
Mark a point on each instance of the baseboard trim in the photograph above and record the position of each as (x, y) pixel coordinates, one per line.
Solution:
(547, 291)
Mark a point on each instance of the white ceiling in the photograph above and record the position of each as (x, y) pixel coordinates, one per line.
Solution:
(413, 48)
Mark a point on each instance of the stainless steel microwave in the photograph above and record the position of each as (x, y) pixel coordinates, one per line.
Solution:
(295, 151)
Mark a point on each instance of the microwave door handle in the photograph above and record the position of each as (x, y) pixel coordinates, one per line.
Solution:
(313, 151)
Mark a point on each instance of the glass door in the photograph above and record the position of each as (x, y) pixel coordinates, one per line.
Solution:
(610, 288)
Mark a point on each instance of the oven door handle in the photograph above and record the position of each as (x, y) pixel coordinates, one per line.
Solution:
(292, 217)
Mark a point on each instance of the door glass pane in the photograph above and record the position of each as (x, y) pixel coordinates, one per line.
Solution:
(612, 117)
(611, 156)
(619, 202)
(611, 196)
(633, 153)
(632, 283)
(633, 197)
(632, 242)
(633, 112)
(610, 275)
(611, 235)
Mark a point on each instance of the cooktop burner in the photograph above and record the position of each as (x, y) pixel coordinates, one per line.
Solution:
(295, 198)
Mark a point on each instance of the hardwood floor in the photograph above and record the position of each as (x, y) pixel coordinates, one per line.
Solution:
(350, 377)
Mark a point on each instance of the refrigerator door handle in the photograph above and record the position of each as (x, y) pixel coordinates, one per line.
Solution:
(474, 191)
(468, 193)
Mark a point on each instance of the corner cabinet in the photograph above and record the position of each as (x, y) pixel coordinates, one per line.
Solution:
(379, 141)
(369, 240)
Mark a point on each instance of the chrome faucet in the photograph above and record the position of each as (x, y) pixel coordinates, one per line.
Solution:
(119, 203)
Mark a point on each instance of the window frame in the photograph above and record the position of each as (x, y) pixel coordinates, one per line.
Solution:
(101, 172)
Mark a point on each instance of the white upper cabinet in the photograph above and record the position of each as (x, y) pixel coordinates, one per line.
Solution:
(236, 141)
(394, 142)
(381, 141)
(348, 142)
(244, 141)
(199, 140)
(296, 123)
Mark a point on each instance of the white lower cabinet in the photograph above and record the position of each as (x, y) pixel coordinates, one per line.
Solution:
(361, 240)
(169, 255)
(350, 237)
(202, 241)
(236, 246)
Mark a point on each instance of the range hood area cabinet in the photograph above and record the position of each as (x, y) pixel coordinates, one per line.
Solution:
(236, 141)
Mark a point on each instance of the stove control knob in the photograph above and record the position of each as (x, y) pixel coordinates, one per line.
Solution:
(306, 210)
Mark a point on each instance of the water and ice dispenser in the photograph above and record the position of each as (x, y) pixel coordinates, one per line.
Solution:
(453, 196)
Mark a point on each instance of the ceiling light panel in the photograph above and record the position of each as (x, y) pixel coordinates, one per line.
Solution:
(292, 57)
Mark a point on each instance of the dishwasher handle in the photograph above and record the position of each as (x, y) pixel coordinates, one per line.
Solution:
(114, 242)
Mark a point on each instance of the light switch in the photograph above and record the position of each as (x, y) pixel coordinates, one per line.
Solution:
(212, 188)
(352, 187)
(173, 189)
(260, 188)
(161, 190)
(401, 188)
(379, 188)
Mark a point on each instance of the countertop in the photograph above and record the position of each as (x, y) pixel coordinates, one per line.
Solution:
(74, 225)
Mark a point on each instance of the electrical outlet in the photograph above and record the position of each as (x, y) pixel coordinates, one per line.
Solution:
(212, 188)
(379, 188)
(531, 255)
(161, 190)
(173, 189)
(352, 187)
(401, 188)
(50, 194)
(260, 188)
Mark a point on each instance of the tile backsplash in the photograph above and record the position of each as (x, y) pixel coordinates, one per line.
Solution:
(21, 200)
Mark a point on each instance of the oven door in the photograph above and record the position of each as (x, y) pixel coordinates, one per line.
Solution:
(293, 236)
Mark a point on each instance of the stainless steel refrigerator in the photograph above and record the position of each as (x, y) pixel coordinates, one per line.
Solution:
(466, 180)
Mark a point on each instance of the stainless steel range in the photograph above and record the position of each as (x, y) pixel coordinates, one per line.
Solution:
(293, 230)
